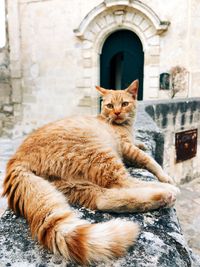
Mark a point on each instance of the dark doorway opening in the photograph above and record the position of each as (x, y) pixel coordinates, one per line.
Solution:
(122, 61)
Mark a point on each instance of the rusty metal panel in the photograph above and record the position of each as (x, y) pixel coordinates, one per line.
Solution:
(186, 145)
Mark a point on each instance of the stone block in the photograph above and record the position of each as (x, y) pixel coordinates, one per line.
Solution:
(87, 73)
(34, 71)
(109, 19)
(87, 63)
(87, 53)
(16, 91)
(154, 50)
(195, 82)
(154, 82)
(17, 107)
(154, 60)
(8, 124)
(152, 71)
(4, 58)
(129, 16)
(89, 36)
(102, 22)
(15, 68)
(87, 82)
(85, 101)
(87, 44)
(110, 3)
(150, 32)
(119, 19)
(29, 98)
(79, 84)
(152, 92)
(154, 40)
(95, 28)
(4, 73)
(5, 90)
(2, 116)
(144, 25)
(8, 108)
(137, 19)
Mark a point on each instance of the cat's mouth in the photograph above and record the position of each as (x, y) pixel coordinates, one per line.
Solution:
(118, 119)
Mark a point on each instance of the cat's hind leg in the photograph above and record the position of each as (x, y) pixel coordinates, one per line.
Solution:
(81, 193)
(139, 199)
(135, 199)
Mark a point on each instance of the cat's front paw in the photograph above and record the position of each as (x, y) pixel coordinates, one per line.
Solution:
(170, 199)
(166, 198)
(165, 178)
(174, 189)
(141, 146)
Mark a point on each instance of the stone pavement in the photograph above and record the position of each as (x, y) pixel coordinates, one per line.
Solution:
(188, 211)
(187, 206)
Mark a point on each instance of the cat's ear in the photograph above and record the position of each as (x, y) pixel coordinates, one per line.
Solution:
(101, 90)
(133, 88)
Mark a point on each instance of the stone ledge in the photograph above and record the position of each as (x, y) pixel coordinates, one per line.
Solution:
(160, 243)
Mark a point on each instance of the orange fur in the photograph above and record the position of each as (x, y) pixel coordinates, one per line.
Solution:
(80, 159)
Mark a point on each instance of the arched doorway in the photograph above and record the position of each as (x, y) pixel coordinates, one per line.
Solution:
(122, 61)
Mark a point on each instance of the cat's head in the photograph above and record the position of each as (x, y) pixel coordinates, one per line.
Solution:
(119, 106)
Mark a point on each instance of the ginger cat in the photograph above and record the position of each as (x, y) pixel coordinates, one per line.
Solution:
(79, 160)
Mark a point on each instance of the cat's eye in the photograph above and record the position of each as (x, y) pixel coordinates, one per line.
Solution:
(125, 104)
(109, 105)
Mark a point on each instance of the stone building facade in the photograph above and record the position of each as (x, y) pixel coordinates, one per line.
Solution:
(51, 61)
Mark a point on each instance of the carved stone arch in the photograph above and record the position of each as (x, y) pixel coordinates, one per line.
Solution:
(111, 16)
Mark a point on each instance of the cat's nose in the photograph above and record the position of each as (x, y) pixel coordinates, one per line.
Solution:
(117, 113)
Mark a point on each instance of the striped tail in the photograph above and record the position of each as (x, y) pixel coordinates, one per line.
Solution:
(57, 227)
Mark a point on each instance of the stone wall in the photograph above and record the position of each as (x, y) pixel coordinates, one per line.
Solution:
(54, 49)
(55, 46)
(6, 109)
(11, 104)
(179, 45)
(172, 117)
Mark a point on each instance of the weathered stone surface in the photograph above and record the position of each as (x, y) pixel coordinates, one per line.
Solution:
(187, 208)
(160, 243)
(4, 73)
(172, 117)
(8, 108)
(5, 90)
